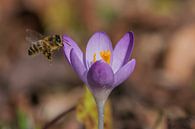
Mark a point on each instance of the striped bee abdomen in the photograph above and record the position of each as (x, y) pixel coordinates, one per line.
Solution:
(34, 49)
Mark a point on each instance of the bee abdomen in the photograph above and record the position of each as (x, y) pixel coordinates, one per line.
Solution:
(33, 49)
(36, 47)
(30, 52)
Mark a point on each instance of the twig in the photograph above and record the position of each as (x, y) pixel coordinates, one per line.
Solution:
(60, 116)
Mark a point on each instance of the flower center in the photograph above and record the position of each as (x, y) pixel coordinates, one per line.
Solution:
(105, 55)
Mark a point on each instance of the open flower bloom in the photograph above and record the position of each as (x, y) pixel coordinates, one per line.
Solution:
(102, 68)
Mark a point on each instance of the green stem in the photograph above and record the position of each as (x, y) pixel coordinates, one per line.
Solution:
(100, 97)
(100, 108)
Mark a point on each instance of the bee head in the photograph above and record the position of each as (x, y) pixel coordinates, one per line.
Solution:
(57, 39)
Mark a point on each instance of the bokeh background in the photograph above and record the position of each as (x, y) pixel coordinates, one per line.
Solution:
(160, 94)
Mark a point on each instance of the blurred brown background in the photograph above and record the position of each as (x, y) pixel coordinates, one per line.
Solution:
(160, 94)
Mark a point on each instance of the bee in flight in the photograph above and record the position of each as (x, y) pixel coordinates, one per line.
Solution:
(44, 44)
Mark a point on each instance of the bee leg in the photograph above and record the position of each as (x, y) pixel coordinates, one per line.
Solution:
(47, 54)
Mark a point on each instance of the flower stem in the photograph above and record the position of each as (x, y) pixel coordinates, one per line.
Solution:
(100, 108)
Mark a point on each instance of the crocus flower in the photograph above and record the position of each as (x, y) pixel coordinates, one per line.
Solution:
(102, 68)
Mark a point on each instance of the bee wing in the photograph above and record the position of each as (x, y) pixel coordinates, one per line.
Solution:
(33, 36)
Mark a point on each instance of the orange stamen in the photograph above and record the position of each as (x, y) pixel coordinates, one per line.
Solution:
(106, 56)
(94, 57)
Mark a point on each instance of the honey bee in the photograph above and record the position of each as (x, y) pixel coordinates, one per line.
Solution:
(44, 44)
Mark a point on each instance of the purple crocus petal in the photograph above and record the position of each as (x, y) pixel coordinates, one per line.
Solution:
(100, 76)
(78, 65)
(122, 51)
(123, 73)
(70, 44)
(97, 43)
